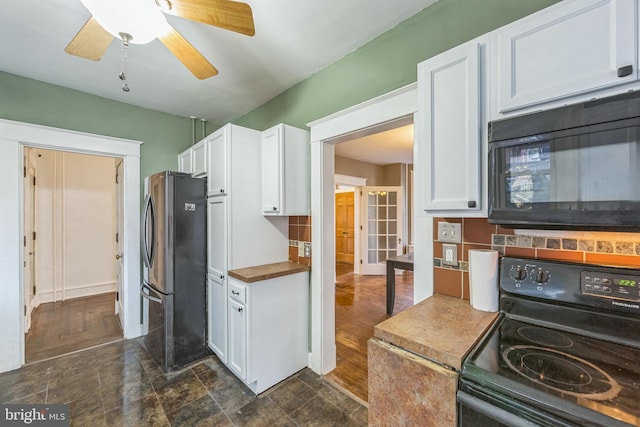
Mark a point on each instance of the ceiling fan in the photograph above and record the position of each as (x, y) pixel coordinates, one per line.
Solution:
(141, 21)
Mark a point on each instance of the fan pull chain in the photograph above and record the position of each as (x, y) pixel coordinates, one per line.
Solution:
(126, 38)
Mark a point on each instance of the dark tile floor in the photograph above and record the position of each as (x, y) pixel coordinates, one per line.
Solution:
(119, 384)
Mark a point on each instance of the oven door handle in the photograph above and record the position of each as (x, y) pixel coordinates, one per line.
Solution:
(492, 412)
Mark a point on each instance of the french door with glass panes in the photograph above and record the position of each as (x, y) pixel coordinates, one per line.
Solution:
(381, 226)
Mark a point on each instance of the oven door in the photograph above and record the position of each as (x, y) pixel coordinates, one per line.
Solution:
(479, 406)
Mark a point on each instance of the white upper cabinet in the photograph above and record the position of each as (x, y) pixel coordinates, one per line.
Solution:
(450, 120)
(194, 160)
(199, 159)
(568, 49)
(285, 171)
(217, 161)
(184, 161)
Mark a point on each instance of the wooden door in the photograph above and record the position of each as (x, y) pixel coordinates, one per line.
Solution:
(344, 227)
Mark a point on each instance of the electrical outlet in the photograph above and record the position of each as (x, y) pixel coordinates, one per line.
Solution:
(450, 254)
(449, 232)
(307, 249)
(300, 248)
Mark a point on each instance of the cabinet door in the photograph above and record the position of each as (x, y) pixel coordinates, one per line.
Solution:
(184, 161)
(217, 163)
(449, 115)
(571, 49)
(272, 170)
(217, 237)
(237, 360)
(199, 160)
(217, 317)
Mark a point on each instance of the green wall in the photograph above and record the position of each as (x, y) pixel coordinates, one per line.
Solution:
(389, 61)
(164, 135)
(384, 64)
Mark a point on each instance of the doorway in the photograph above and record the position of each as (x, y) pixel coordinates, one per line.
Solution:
(370, 226)
(74, 291)
(14, 136)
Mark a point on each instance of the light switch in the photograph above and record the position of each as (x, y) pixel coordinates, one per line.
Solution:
(450, 255)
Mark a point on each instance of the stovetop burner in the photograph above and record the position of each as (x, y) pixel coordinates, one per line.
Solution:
(545, 337)
(561, 372)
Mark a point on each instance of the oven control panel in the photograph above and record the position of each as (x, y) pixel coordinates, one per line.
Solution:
(611, 285)
(612, 288)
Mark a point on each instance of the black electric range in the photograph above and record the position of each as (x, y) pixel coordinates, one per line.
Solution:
(565, 350)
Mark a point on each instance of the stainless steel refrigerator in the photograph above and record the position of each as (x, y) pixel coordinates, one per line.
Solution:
(174, 248)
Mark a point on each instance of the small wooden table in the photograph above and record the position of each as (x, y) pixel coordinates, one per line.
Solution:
(404, 262)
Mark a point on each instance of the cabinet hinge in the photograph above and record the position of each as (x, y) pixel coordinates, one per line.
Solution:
(34, 181)
(34, 290)
(117, 178)
(360, 227)
(25, 310)
(34, 235)
(24, 241)
(360, 261)
(117, 237)
(117, 296)
(24, 171)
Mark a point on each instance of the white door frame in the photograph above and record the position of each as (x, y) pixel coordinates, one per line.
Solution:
(381, 113)
(14, 136)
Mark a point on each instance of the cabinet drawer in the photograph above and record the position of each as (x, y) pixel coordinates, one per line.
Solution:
(238, 292)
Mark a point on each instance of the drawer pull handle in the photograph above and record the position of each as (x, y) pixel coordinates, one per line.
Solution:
(235, 293)
(239, 309)
(625, 71)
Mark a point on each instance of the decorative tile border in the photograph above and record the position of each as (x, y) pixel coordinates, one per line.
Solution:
(596, 246)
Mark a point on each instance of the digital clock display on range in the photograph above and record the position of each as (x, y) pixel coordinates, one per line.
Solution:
(624, 282)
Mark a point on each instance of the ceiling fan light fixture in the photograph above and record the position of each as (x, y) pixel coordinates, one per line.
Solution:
(143, 20)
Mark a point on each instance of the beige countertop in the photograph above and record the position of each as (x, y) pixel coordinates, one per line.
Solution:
(268, 271)
(441, 328)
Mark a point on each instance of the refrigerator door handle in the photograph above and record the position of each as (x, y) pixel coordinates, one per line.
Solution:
(145, 285)
(147, 255)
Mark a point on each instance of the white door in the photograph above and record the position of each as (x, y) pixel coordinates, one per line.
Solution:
(119, 238)
(217, 163)
(449, 112)
(571, 49)
(271, 165)
(237, 357)
(29, 241)
(217, 316)
(381, 227)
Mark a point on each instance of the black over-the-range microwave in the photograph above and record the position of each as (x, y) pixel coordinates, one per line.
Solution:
(577, 167)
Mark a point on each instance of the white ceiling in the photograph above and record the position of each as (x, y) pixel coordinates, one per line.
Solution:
(294, 39)
(383, 148)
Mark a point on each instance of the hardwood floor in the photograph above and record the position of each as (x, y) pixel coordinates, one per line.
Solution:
(66, 326)
(360, 305)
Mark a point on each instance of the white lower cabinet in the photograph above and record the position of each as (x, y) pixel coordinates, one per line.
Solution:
(217, 316)
(237, 361)
(268, 334)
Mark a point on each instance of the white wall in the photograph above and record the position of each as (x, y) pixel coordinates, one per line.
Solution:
(75, 225)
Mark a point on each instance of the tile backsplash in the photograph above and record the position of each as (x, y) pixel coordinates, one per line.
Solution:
(299, 231)
(596, 248)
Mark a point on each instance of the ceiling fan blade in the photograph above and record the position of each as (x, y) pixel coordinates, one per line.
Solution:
(91, 42)
(227, 14)
(188, 55)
